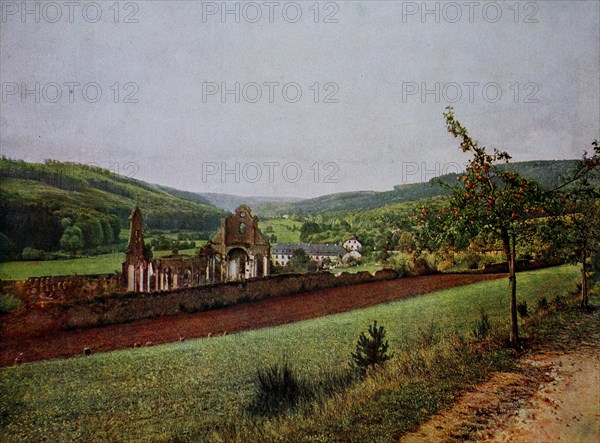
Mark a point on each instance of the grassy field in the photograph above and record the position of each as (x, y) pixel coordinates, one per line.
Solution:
(99, 264)
(194, 387)
(282, 228)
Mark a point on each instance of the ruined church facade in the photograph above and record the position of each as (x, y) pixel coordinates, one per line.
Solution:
(238, 252)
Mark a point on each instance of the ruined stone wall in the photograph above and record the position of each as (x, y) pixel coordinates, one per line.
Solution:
(40, 291)
(111, 309)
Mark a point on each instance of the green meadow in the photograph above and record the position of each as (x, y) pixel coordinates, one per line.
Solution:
(98, 264)
(283, 228)
(190, 390)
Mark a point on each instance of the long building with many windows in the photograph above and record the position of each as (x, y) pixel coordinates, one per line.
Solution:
(282, 253)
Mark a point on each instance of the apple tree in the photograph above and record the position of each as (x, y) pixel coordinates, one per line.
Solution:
(488, 201)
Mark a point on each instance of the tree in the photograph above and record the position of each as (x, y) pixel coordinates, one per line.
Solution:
(406, 242)
(488, 199)
(371, 350)
(575, 234)
(308, 229)
(301, 262)
(72, 239)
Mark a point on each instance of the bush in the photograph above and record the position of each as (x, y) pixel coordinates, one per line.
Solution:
(482, 327)
(277, 388)
(522, 309)
(543, 303)
(9, 303)
(32, 254)
(372, 350)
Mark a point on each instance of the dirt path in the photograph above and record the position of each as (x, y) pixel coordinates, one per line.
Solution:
(566, 409)
(553, 396)
(242, 317)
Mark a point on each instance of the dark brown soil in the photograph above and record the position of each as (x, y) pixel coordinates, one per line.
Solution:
(265, 313)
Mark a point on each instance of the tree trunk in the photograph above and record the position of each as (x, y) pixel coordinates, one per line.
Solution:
(508, 242)
(584, 283)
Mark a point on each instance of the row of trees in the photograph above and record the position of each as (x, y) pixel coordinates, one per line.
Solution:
(491, 202)
(89, 232)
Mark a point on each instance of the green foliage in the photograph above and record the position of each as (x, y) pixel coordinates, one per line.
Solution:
(277, 388)
(9, 303)
(29, 254)
(308, 229)
(72, 239)
(372, 350)
(7, 248)
(300, 262)
(162, 243)
(489, 199)
(483, 326)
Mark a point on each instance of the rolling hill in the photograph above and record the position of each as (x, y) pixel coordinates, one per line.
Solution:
(39, 201)
(547, 173)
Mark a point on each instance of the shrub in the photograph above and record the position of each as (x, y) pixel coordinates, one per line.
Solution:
(401, 267)
(522, 309)
(372, 350)
(483, 326)
(8, 303)
(543, 303)
(419, 264)
(32, 254)
(277, 388)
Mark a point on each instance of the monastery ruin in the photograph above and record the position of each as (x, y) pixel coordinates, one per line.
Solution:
(238, 252)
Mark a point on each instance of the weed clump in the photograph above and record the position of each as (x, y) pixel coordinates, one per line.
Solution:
(522, 309)
(483, 326)
(277, 389)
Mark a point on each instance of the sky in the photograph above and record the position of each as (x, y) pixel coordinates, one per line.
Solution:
(295, 98)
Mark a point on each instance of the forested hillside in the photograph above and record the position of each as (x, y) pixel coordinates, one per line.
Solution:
(548, 173)
(70, 206)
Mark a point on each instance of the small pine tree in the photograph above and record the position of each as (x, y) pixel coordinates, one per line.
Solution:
(371, 350)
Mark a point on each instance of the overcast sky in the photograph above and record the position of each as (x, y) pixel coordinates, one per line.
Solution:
(374, 79)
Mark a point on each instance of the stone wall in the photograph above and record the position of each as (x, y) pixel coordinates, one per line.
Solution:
(120, 308)
(41, 291)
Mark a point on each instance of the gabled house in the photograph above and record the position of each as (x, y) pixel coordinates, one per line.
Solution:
(352, 244)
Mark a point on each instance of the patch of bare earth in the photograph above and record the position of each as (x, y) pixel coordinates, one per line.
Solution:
(552, 396)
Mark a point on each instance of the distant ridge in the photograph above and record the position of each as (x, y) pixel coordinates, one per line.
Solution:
(546, 172)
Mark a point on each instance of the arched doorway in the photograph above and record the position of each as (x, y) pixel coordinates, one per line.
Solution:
(237, 260)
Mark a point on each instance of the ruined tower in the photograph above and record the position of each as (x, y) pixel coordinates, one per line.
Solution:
(137, 267)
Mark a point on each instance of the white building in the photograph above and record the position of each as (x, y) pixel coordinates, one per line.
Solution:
(282, 253)
(352, 244)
